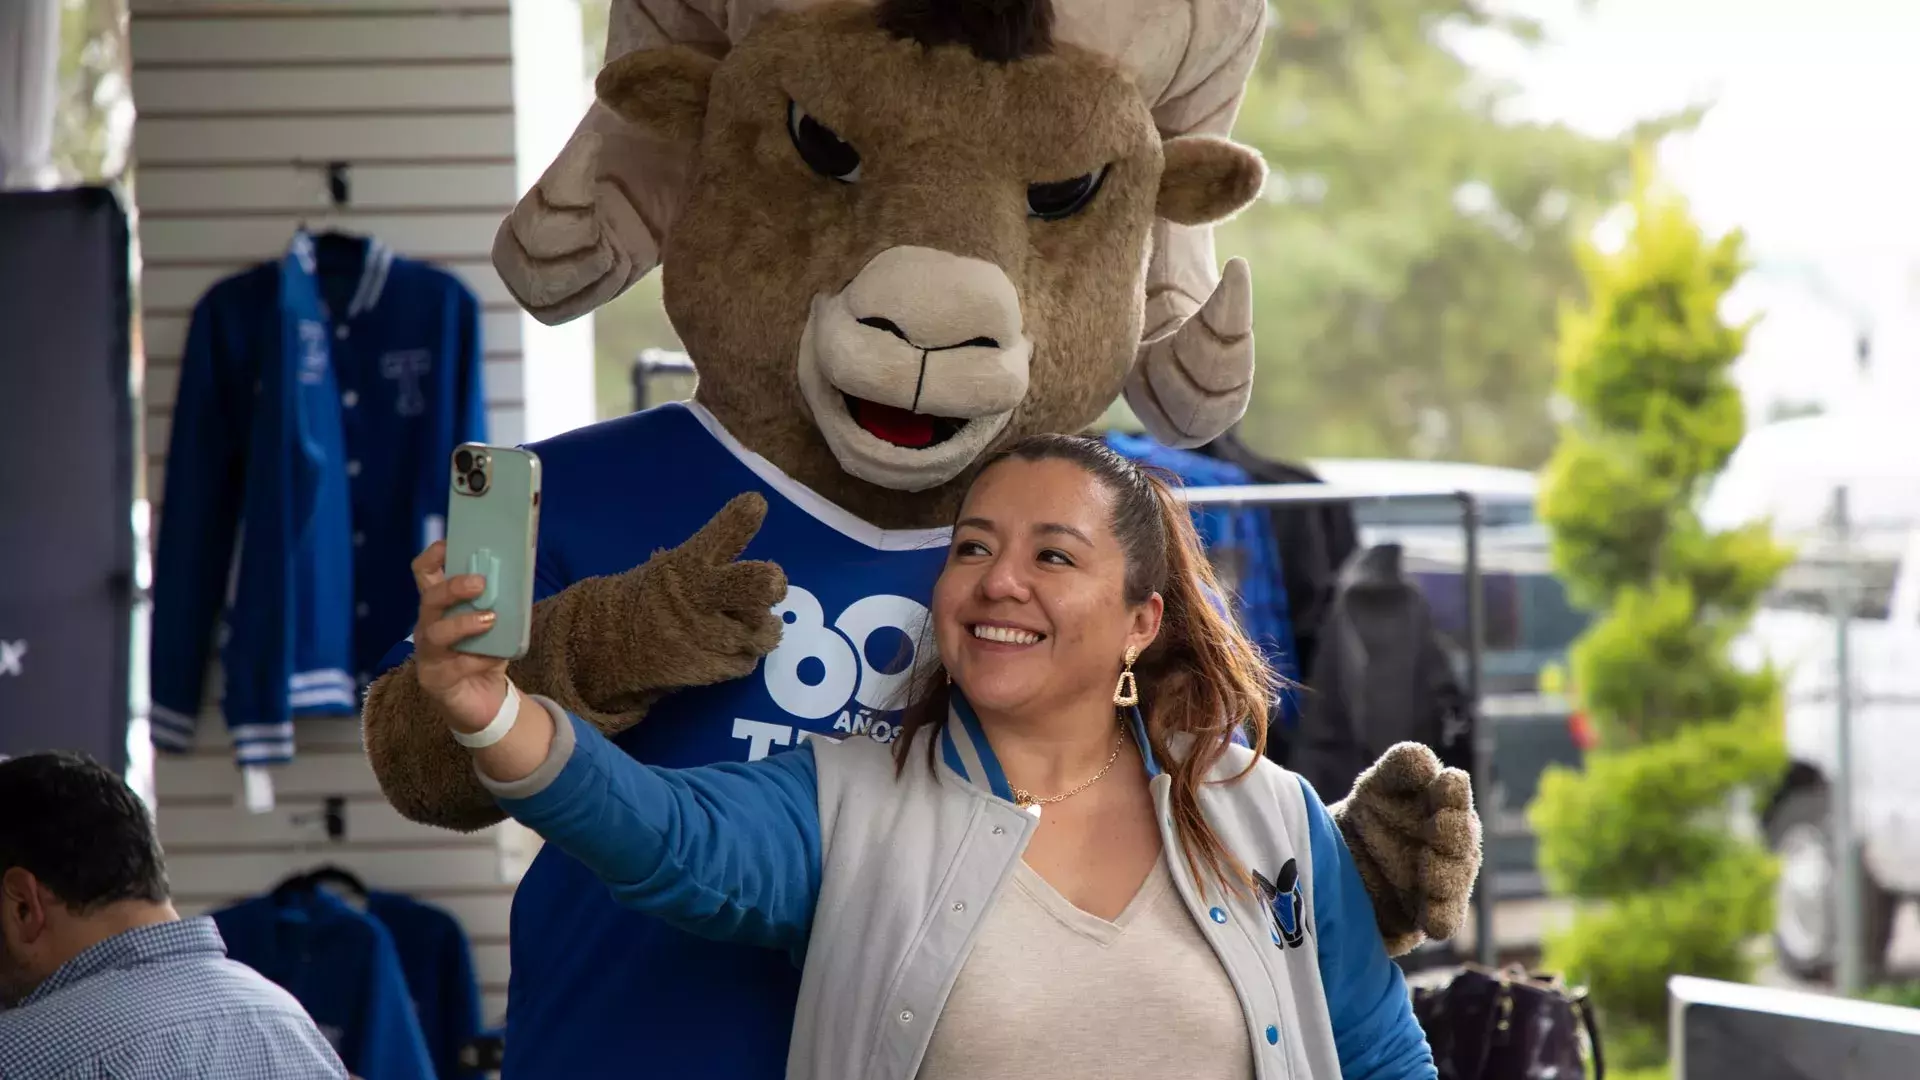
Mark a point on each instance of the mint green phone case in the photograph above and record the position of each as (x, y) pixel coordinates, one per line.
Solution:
(493, 534)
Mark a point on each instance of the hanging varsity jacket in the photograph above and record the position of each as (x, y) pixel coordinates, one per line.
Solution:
(341, 965)
(306, 468)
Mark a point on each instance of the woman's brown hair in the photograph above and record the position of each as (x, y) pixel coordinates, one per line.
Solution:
(1201, 677)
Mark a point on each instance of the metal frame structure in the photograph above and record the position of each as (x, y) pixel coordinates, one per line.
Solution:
(1485, 893)
(653, 362)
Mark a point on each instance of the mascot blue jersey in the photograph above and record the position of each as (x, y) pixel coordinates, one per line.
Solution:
(600, 991)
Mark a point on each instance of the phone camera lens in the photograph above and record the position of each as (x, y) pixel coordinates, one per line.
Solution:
(463, 461)
(477, 481)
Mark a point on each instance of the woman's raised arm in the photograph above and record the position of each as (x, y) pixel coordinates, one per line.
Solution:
(729, 852)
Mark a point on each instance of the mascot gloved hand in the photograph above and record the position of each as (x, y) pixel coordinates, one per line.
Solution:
(604, 649)
(902, 234)
(1416, 840)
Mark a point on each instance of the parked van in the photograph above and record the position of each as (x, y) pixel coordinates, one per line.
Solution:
(1788, 472)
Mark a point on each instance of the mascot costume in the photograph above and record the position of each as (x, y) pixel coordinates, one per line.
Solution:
(894, 236)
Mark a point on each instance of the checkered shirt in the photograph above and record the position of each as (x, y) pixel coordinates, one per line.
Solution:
(162, 1003)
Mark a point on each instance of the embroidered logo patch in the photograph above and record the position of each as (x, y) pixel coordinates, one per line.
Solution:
(407, 368)
(1287, 903)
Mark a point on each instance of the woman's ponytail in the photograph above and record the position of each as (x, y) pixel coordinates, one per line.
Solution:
(1202, 678)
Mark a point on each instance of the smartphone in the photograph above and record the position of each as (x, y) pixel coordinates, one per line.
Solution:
(493, 525)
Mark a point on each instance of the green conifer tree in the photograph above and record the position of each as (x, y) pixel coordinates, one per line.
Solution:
(1644, 837)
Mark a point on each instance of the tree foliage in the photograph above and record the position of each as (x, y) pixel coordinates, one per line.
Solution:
(1643, 835)
(93, 115)
(1414, 242)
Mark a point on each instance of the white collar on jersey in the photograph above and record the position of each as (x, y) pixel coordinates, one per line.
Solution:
(373, 272)
(815, 504)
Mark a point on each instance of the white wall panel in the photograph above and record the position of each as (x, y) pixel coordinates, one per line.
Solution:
(295, 36)
(275, 89)
(240, 104)
(273, 140)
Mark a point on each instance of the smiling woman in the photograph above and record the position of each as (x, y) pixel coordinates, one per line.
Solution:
(1085, 828)
(1068, 560)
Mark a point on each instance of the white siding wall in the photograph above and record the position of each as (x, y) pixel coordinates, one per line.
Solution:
(419, 98)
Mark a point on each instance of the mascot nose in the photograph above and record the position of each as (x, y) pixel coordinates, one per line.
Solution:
(936, 300)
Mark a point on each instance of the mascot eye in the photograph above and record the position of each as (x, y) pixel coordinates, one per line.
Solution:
(822, 150)
(1064, 198)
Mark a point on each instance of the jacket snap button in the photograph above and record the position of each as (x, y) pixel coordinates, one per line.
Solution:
(1273, 1035)
(1217, 915)
(906, 1016)
(959, 905)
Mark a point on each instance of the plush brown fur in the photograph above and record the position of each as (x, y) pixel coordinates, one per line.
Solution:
(948, 146)
(605, 649)
(663, 90)
(1205, 176)
(1416, 840)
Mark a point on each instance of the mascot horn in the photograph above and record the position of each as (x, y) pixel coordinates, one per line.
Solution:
(846, 183)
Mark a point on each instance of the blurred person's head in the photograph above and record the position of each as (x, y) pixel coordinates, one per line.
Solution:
(79, 863)
(1065, 555)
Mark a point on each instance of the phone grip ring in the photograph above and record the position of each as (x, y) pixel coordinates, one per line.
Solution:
(487, 565)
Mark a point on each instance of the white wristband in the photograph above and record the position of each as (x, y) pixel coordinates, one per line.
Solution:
(497, 729)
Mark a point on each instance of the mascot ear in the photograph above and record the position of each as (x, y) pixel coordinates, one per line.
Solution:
(662, 90)
(1207, 179)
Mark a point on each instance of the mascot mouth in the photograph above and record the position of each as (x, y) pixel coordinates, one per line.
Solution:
(901, 427)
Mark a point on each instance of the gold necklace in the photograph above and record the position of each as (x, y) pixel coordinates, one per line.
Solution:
(1024, 798)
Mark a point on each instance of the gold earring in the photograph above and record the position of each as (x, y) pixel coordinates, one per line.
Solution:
(1126, 693)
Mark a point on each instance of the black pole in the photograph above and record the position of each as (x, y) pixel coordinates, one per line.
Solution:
(1485, 891)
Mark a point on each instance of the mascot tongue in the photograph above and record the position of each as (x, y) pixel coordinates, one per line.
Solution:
(897, 426)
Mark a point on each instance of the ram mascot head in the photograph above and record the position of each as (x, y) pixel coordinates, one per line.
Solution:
(1055, 168)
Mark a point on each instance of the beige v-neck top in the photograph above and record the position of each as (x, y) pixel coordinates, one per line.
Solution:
(1052, 993)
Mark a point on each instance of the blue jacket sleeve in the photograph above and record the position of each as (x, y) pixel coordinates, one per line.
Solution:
(206, 465)
(1374, 1028)
(728, 851)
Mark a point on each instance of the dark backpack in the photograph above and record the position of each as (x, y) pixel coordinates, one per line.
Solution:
(1509, 1025)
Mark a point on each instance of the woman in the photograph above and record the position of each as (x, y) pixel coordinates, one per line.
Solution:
(1066, 866)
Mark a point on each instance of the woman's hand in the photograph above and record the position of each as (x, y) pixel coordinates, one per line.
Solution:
(468, 688)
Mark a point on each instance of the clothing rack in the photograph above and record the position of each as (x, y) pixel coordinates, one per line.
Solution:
(1486, 890)
(652, 362)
